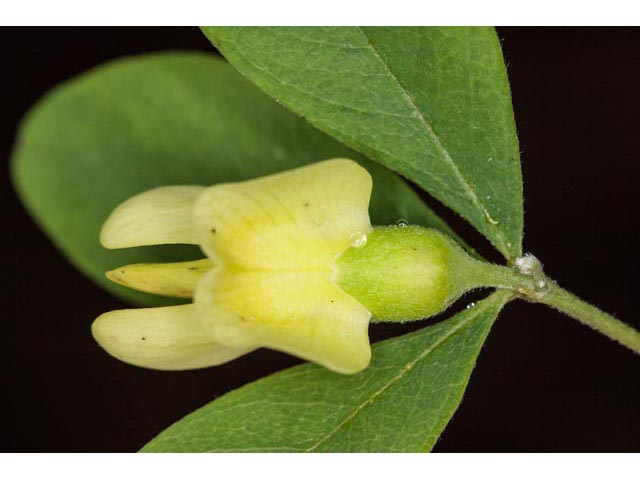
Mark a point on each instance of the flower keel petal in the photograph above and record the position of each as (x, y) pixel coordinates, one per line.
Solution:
(168, 279)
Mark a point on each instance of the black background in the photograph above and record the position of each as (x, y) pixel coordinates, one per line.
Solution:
(543, 382)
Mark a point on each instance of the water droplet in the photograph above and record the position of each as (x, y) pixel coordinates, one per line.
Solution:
(358, 239)
(471, 305)
(402, 223)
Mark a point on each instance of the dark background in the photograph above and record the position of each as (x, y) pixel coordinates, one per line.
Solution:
(543, 382)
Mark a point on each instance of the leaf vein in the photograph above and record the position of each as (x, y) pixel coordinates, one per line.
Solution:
(407, 368)
(471, 193)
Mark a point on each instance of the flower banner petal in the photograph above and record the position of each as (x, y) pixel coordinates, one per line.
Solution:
(302, 217)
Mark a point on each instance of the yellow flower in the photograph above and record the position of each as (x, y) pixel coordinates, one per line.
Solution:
(269, 279)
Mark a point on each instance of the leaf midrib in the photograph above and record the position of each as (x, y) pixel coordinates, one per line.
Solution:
(490, 302)
(471, 193)
(499, 239)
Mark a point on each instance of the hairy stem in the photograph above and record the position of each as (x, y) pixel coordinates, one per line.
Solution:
(566, 302)
(528, 280)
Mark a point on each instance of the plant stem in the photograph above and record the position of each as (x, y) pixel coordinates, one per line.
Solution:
(566, 302)
(533, 285)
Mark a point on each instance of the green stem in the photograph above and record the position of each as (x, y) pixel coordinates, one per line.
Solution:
(593, 317)
(534, 286)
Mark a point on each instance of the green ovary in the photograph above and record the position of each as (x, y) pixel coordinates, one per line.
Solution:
(402, 273)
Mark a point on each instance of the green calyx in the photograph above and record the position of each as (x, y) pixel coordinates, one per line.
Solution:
(406, 273)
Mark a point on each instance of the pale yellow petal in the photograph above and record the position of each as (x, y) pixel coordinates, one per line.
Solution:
(168, 279)
(165, 338)
(297, 219)
(299, 312)
(158, 216)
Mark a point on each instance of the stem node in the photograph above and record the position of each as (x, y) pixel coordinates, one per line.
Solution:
(527, 278)
(538, 285)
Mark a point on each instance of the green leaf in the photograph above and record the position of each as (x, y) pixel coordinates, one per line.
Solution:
(402, 402)
(431, 103)
(163, 119)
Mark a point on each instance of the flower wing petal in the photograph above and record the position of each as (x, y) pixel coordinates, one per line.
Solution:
(299, 312)
(157, 216)
(295, 219)
(164, 338)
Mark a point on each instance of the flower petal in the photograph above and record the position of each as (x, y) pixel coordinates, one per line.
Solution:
(168, 279)
(297, 219)
(298, 312)
(165, 338)
(154, 217)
